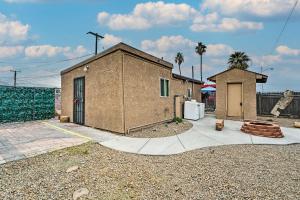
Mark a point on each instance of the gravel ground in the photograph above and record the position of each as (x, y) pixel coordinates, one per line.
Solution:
(226, 172)
(284, 122)
(162, 130)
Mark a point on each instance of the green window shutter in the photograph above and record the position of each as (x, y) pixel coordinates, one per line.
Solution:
(161, 87)
(167, 88)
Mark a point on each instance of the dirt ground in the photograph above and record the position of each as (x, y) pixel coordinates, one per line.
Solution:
(225, 172)
(284, 122)
(162, 130)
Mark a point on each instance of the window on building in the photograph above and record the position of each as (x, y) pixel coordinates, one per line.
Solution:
(189, 93)
(164, 87)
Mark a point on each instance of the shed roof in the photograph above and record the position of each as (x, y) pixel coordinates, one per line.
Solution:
(260, 78)
(184, 78)
(126, 48)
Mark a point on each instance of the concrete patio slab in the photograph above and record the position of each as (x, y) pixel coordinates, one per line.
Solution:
(23, 140)
(202, 134)
(126, 144)
(162, 146)
(195, 140)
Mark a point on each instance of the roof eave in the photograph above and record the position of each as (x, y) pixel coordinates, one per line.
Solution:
(184, 78)
(123, 47)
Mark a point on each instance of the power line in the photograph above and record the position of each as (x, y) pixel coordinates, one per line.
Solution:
(35, 84)
(285, 25)
(46, 62)
(43, 76)
(282, 30)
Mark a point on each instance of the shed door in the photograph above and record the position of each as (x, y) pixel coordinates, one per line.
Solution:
(234, 100)
(79, 90)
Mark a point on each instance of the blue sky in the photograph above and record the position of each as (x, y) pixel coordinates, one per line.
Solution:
(36, 35)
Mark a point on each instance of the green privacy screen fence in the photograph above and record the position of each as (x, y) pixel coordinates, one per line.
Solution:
(26, 103)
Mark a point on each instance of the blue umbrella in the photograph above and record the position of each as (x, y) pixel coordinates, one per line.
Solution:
(208, 89)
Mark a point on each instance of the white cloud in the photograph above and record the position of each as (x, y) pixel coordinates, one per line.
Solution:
(6, 68)
(219, 50)
(258, 8)
(167, 45)
(266, 60)
(44, 50)
(146, 15)
(10, 51)
(150, 14)
(12, 30)
(285, 50)
(77, 52)
(110, 40)
(51, 51)
(213, 23)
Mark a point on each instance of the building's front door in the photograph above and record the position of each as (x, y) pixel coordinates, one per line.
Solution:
(234, 100)
(79, 98)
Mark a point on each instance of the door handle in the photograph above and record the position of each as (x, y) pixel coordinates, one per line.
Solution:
(241, 104)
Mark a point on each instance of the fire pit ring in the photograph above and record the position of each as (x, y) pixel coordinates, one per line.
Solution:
(261, 128)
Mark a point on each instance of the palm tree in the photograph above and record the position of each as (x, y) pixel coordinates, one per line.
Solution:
(238, 60)
(179, 59)
(200, 49)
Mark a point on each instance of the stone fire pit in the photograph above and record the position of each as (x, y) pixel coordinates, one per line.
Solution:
(260, 128)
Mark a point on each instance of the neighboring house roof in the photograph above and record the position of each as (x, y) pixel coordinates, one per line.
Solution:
(125, 48)
(184, 78)
(260, 78)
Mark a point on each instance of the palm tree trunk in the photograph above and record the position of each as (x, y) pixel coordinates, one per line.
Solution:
(201, 67)
(179, 70)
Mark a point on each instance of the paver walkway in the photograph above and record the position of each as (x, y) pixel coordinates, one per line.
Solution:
(28, 139)
(203, 134)
(23, 140)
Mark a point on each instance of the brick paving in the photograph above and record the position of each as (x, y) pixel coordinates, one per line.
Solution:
(23, 140)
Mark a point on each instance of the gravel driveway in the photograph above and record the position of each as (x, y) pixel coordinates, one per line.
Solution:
(225, 172)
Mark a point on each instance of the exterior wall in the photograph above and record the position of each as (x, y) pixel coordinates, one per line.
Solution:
(122, 91)
(248, 81)
(197, 92)
(143, 103)
(103, 93)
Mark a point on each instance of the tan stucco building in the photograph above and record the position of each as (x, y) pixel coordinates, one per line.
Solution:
(236, 93)
(123, 88)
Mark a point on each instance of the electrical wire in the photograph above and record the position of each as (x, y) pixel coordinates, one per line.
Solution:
(285, 25)
(43, 76)
(34, 84)
(282, 30)
(46, 62)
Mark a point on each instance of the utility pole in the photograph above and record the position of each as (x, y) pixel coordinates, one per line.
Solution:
(262, 85)
(261, 71)
(97, 36)
(15, 76)
(193, 81)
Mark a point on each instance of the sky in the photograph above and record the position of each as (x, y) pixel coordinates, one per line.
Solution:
(39, 38)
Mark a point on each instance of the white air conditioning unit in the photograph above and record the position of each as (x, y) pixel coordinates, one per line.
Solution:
(193, 110)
